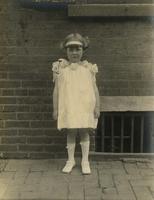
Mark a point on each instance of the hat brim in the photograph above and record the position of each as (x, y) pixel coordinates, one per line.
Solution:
(71, 43)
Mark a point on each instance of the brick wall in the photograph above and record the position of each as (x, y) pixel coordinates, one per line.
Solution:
(29, 43)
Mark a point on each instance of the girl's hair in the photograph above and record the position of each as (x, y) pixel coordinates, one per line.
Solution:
(75, 37)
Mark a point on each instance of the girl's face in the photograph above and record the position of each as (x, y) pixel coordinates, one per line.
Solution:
(74, 53)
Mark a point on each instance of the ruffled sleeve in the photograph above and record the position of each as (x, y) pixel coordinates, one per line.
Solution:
(55, 70)
(57, 66)
(93, 69)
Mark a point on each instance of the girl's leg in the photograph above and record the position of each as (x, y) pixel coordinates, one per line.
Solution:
(85, 143)
(71, 137)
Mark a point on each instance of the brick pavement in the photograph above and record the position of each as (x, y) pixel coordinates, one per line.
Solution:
(125, 179)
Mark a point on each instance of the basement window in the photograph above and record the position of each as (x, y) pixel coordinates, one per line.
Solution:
(125, 132)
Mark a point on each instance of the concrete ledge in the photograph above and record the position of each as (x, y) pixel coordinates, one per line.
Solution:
(109, 10)
(98, 156)
(127, 103)
(116, 1)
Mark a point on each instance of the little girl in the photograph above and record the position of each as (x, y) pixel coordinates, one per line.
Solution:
(76, 104)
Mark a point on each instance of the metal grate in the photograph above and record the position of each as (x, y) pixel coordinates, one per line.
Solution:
(125, 132)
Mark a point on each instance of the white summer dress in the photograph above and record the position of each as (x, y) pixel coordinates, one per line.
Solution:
(76, 95)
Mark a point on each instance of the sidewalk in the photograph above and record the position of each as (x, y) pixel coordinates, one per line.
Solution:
(127, 179)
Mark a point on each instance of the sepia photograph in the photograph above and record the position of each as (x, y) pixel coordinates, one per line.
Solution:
(76, 99)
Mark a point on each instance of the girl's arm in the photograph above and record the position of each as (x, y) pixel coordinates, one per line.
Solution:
(55, 100)
(97, 106)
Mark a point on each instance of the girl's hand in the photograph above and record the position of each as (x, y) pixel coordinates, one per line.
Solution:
(55, 115)
(96, 112)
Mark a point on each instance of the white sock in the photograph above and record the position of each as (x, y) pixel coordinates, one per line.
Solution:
(85, 150)
(70, 151)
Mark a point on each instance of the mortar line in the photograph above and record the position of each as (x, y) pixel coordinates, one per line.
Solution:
(125, 168)
(26, 176)
(113, 177)
(98, 174)
(150, 191)
(132, 189)
(84, 193)
(68, 191)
